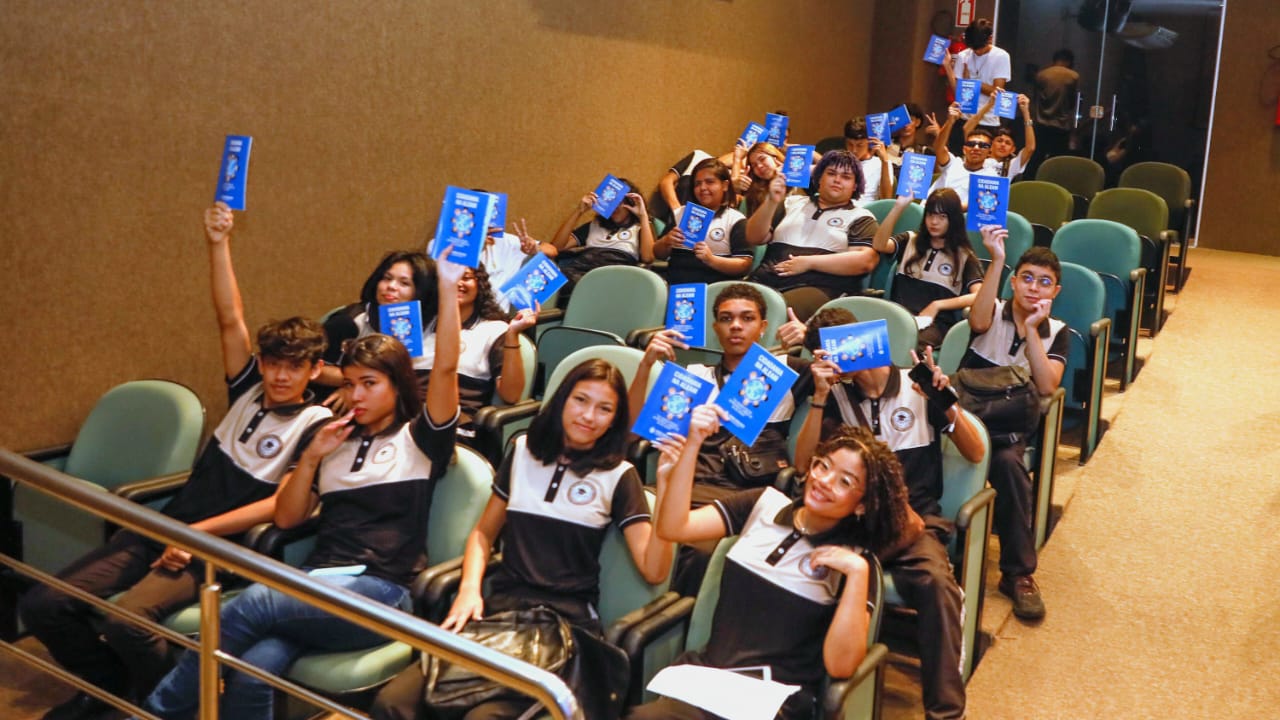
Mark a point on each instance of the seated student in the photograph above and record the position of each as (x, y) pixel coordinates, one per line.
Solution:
(820, 246)
(916, 136)
(782, 605)
(954, 172)
(490, 359)
(724, 254)
(624, 238)
(1017, 332)
(503, 255)
(874, 157)
(554, 498)
(753, 169)
(372, 526)
(1005, 159)
(401, 276)
(676, 185)
(232, 487)
(884, 401)
(938, 273)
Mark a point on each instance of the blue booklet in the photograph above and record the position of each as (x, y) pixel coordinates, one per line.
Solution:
(497, 215)
(798, 165)
(403, 321)
(937, 50)
(969, 95)
(234, 171)
(1006, 104)
(752, 134)
(609, 195)
(462, 224)
(899, 118)
(857, 346)
(988, 202)
(695, 221)
(776, 128)
(670, 404)
(916, 175)
(878, 127)
(753, 392)
(535, 282)
(687, 312)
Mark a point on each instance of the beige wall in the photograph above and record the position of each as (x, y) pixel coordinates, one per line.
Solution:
(361, 112)
(1241, 201)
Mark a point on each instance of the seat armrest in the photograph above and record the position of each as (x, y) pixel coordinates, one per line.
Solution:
(620, 627)
(964, 517)
(271, 540)
(434, 595)
(645, 631)
(1169, 236)
(1099, 327)
(48, 453)
(840, 692)
(550, 315)
(1137, 274)
(144, 491)
(490, 421)
(872, 292)
(640, 337)
(785, 482)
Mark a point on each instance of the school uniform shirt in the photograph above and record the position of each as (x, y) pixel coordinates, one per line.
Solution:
(249, 452)
(479, 365)
(727, 237)
(990, 66)
(1000, 345)
(956, 176)
(375, 498)
(557, 521)
(1010, 167)
(938, 275)
(872, 170)
(625, 239)
(805, 229)
(905, 421)
(775, 607)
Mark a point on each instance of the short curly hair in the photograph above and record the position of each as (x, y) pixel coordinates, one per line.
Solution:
(884, 496)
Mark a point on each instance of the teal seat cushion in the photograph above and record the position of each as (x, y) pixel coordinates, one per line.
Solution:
(345, 672)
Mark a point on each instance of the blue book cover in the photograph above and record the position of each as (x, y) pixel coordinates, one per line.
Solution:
(462, 224)
(752, 134)
(937, 50)
(1006, 105)
(497, 215)
(695, 221)
(234, 171)
(988, 202)
(969, 95)
(753, 392)
(899, 118)
(403, 321)
(857, 346)
(670, 404)
(687, 312)
(798, 165)
(878, 127)
(776, 128)
(609, 195)
(916, 175)
(535, 282)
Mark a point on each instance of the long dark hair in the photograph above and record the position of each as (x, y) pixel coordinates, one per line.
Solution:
(884, 497)
(546, 432)
(607, 222)
(423, 270)
(486, 305)
(944, 201)
(386, 355)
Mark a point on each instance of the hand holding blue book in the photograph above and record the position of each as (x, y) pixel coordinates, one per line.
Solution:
(753, 392)
(462, 225)
(899, 118)
(687, 312)
(534, 283)
(878, 127)
(857, 346)
(403, 321)
(670, 403)
(936, 53)
(233, 173)
(916, 175)
(797, 167)
(752, 134)
(969, 95)
(988, 202)
(695, 221)
(1006, 104)
(776, 128)
(609, 195)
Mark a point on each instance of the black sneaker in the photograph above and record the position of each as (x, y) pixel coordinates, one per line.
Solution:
(81, 706)
(1025, 594)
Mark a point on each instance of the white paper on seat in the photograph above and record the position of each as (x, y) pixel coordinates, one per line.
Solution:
(923, 322)
(722, 692)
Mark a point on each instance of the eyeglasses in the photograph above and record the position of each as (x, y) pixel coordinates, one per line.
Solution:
(1045, 281)
(978, 144)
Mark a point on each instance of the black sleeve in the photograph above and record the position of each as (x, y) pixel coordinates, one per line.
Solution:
(779, 214)
(971, 274)
(339, 327)
(496, 353)
(682, 164)
(436, 443)
(862, 231)
(1060, 348)
(900, 242)
(243, 380)
(580, 233)
(629, 502)
(304, 440)
(502, 480)
(738, 246)
(736, 508)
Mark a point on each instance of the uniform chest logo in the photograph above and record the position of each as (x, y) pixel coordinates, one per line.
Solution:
(582, 492)
(624, 235)
(385, 454)
(269, 446)
(835, 221)
(902, 419)
(810, 570)
(717, 234)
(945, 269)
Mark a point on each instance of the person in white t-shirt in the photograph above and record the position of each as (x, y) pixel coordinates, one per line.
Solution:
(955, 171)
(1005, 160)
(982, 60)
(874, 158)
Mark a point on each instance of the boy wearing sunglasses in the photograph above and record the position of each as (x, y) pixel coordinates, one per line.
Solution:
(1018, 332)
(955, 171)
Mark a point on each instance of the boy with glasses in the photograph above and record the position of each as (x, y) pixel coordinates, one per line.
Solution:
(1018, 332)
(955, 172)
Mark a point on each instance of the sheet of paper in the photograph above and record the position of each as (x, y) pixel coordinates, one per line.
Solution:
(722, 692)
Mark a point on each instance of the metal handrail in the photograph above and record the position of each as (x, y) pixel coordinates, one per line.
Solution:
(542, 685)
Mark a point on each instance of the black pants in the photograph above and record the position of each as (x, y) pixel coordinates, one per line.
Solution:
(132, 658)
(401, 699)
(1013, 509)
(924, 578)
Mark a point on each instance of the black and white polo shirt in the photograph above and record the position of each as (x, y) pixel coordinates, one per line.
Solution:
(936, 275)
(806, 229)
(625, 239)
(1001, 345)
(726, 237)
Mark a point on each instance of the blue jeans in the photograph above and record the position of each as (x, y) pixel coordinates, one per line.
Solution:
(269, 630)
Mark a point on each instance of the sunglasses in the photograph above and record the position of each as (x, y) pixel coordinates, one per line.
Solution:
(978, 144)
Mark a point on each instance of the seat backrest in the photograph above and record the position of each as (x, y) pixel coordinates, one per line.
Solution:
(909, 219)
(617, 299)
(622, 588)
(560, 341)
(827, 144)
(138, 430)
(459, 498)
(903, 333)
(1101, 245)
(1082, 300)
(962, 479)
(954, 346)
(626, 359)
(1019, 240)
(1042, 203)
(1168, 181)
(775, 312)
(1142, 210)
(1079, 176)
